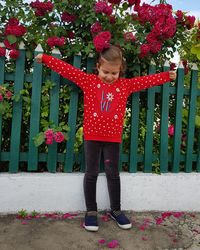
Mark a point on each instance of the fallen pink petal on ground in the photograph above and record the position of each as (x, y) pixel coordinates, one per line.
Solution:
(144, 238)
(101, 241)
(113, 244)
(24, 222)
(105, 218)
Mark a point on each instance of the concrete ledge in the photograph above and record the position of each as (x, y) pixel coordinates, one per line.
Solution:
(46, 192)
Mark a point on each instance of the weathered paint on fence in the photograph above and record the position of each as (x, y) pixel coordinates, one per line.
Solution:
(32, 157)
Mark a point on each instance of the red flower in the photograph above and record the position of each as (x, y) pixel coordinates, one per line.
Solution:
(17, 30)
(172, 66)
(144, 50)
(96, 27)
(114, 1)
(155, 47)
(13, 21)
(190, 22)
(14, 54)
(41, 8)
(103, 7)
(70, 34)
(67, 17)
(8, 45)
(55, 41)
(179, 15)
(2, 51)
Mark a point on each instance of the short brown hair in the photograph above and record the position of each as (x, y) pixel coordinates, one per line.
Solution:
(113, 53)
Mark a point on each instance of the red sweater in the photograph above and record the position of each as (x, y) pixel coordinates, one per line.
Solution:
(104, 104)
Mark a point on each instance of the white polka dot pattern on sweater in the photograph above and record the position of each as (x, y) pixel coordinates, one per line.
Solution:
(104, 104)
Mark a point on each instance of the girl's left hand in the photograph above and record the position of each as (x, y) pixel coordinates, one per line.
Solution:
(172, 75)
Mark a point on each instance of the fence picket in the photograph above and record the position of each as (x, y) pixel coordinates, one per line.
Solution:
(17, 113)
(164, 125)
(54, 115)
(178, 120)
(35, 113)
(148, 148)
(69, 160)
(135, 109)
(2, 69)
(191, 120)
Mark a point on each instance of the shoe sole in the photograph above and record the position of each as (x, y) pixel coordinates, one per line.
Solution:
(127, 226)
(91, 228)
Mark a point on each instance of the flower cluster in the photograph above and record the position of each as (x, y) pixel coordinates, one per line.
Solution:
(51, 135)
(163, 26)
(41, 8)
(55, 41)
(187, 21)
(15, 30)
(103, 7)
(102, 40)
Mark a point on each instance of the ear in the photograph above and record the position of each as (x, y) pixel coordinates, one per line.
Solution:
(97, 66)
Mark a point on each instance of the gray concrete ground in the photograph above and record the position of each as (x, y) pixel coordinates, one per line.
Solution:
(151, 231)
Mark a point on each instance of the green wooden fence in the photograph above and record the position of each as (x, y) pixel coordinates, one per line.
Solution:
(188, 161)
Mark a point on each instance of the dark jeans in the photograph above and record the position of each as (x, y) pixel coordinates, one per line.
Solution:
(93, 152)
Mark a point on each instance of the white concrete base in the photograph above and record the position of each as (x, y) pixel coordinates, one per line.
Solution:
(63, 192)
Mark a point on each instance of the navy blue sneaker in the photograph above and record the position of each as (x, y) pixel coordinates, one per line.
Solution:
(121, 219)
(91, 222)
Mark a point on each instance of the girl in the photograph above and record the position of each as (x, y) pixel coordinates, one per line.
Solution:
(105, 96)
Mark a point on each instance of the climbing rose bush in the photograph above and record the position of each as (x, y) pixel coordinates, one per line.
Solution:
(143, 31)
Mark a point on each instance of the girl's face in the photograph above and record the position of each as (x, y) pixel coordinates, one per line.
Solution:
(108, 71)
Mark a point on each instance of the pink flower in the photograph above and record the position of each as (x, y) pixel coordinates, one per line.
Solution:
(49, 141)
(171, 130)
(128, 36)
(14, 54)
(8, 94)
(113, 244)
(49, 134)
(1, 98)
(59, 137)
(2, 51)
(105, 218)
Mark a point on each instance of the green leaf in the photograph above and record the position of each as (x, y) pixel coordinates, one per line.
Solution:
(12, 39)
(39, 139)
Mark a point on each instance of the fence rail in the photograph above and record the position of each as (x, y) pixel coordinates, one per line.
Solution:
(167, 160)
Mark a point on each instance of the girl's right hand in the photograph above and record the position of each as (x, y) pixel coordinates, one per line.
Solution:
(38, 58)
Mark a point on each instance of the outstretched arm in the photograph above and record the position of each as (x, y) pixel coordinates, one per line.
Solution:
(143, 82)
(65, 69)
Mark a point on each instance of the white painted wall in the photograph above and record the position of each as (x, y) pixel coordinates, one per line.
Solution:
(63, 192)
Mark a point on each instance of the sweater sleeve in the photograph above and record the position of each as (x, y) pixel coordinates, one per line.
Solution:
(142, 82)
(66, 70)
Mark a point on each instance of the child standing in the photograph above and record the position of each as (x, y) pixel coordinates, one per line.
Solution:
(105, 96)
